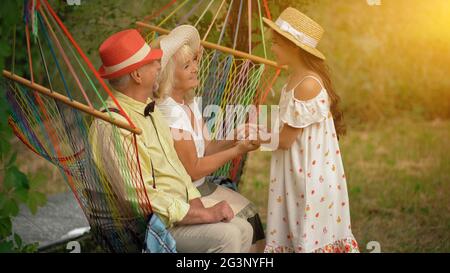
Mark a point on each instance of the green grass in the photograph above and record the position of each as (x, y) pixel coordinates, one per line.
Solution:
(398, 178)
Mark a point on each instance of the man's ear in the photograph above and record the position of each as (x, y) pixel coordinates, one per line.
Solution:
(136, 76)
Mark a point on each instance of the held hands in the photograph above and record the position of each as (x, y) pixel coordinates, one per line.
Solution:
(245, 146)
(246, 131)
(250, 131)
(250, 137)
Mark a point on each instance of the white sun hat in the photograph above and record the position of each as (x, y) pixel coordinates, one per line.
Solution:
(179, 36)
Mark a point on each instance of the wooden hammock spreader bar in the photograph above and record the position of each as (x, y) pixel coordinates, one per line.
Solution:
(72, 103)
(206, 44)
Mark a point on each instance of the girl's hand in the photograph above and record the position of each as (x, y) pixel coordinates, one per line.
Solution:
(263, 134)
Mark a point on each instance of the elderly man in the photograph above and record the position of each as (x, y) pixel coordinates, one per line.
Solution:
(132, 68)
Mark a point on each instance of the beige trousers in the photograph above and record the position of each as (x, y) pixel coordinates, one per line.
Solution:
(233, 237)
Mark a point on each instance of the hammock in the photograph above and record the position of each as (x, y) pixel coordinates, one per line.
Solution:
(54, 125)
(227, 76)
(55, 122)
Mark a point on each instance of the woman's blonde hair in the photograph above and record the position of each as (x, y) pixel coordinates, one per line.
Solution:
(167, 79)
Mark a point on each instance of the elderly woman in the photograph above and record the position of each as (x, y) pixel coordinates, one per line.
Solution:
(199, 155)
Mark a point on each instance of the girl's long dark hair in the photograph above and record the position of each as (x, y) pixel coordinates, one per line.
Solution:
(321, 68)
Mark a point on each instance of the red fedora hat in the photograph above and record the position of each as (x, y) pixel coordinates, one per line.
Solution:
(124, 52)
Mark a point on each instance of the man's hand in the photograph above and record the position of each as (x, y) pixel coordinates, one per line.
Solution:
(198, 214)
(221, 212)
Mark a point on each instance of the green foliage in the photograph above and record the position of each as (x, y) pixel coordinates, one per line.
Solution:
(15, 187)
(9, 16)
(11, 24)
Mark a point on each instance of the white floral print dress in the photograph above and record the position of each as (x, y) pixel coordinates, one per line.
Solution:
(308, 208)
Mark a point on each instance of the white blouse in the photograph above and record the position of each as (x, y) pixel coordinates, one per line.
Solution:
(178, 118)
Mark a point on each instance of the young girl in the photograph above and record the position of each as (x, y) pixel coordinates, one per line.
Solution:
(308, 207)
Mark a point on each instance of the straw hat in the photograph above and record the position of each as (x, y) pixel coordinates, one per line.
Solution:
(179, 36)
(299, 29)
(124, 52)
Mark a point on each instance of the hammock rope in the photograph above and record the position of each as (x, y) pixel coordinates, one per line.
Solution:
(30, 60)
(173, 12)
(158, 12)
(13, 59)
(261, 27)
(67, 45)
(249, 9)
(58, 66)
(222, 32)
(236, 31)
(87, 61)
(66, 60)
(213, 20)
(267, 10)
(203, 13)
(185, 18)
